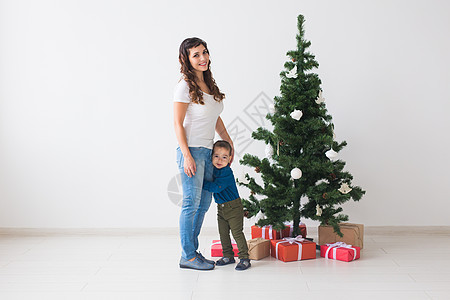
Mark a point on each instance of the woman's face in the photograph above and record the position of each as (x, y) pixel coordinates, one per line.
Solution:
(199, 58)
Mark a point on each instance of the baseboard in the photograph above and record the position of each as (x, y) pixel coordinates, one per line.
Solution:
(89, 231)
(406, 230)
(312, 231)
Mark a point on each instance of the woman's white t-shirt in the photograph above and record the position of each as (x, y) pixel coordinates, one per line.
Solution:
(200, 120)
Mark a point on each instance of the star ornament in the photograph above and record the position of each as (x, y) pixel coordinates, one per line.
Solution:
(320, 99)
(345, 189)
(292, 73)
(296, 114)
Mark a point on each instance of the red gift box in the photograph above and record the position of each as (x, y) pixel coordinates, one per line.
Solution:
(340, 251)
(293, 249)
(302, 229)
(216, 248)
(266, 232)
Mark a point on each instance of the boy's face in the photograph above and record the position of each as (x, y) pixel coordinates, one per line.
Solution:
(221, 157)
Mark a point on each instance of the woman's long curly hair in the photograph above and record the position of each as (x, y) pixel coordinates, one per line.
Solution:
(195, 93)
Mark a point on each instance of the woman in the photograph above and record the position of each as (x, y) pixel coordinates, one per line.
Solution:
(197, 106)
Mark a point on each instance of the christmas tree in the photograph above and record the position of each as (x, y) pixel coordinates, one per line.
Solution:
(301, 153)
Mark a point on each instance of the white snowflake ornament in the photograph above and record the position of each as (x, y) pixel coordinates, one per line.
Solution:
(296, 114)
(272, 108)
(320, 99)
(260, 215)
(345, 189)
(318, 210)
(243, 179)
(331, 154)
(292, 73)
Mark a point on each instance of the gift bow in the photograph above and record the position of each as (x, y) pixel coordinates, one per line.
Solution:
(339, 245)
(296, 239)
(291, 241)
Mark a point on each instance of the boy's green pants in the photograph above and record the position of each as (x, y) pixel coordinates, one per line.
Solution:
(230, 216)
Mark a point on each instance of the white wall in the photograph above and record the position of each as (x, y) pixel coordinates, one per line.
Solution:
(86, 134)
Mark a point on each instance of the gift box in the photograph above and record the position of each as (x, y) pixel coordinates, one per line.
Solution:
(258, 248)
(266, 232)
(353, 234)
(302, 228)
(216, 248)
(340, 251)
(293, 249)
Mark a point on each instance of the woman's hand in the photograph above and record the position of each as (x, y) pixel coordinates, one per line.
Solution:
(222, 131)
(189, 166)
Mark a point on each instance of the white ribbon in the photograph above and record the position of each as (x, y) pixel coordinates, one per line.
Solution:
(337, 245)
(291, 227)
(270, 232)
(263, 229)
(291, 241)
(269, 227)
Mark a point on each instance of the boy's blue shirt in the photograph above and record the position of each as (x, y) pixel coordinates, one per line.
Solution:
(223, 186)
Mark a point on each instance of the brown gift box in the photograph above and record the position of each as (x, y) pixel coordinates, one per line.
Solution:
(353, 234)
(258, 248)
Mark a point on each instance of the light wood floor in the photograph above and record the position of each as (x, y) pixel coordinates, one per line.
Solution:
(405, 263)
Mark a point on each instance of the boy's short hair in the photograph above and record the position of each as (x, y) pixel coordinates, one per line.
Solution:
(222, 144)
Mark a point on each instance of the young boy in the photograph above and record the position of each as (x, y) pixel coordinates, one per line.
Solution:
(230, 212)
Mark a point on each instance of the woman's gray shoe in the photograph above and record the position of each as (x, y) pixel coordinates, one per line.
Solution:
(196, 264)
(225, 261)
(243, 264)
(199, 255)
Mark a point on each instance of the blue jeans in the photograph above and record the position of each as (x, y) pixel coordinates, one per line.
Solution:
(196, 200)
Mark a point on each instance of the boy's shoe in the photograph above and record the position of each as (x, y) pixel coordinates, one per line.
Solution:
(243, 264)
(211, 262)
(225, 261)
(196, 264)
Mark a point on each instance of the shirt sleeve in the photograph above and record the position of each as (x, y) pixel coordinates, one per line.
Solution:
(181, 92)
(218, 185)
